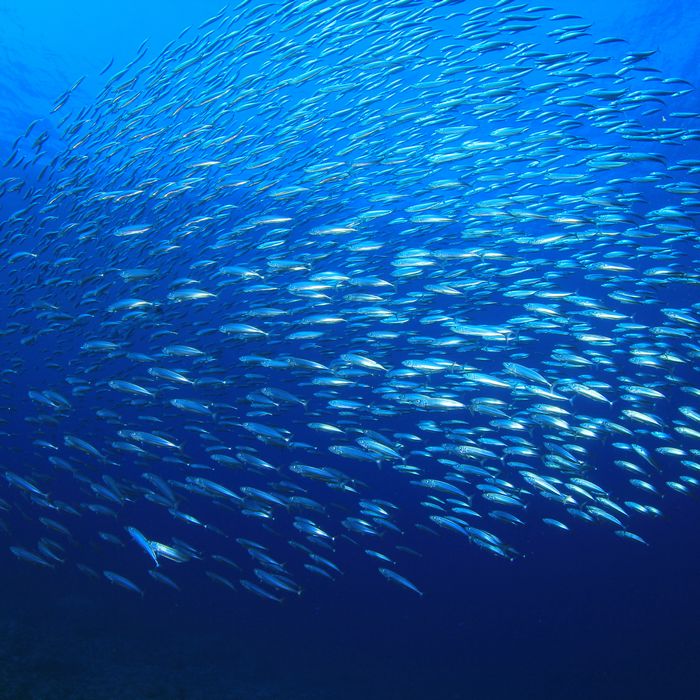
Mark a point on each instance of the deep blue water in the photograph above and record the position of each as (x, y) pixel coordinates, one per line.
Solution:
(581, 614)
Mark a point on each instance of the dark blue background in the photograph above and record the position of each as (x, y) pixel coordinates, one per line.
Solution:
(581, 615)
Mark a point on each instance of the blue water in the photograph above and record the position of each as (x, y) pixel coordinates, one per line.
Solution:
(580, 615)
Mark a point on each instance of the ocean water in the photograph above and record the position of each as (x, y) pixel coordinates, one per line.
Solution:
(352, 185)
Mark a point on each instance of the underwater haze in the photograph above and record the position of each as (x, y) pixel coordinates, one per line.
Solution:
(349, 350)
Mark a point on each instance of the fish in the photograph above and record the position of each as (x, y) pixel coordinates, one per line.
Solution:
(391, 575)
(31, 557)
(122, 581)
(142, 542)
(328, 251)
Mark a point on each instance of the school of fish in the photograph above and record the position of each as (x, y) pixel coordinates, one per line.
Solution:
(324, 281)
